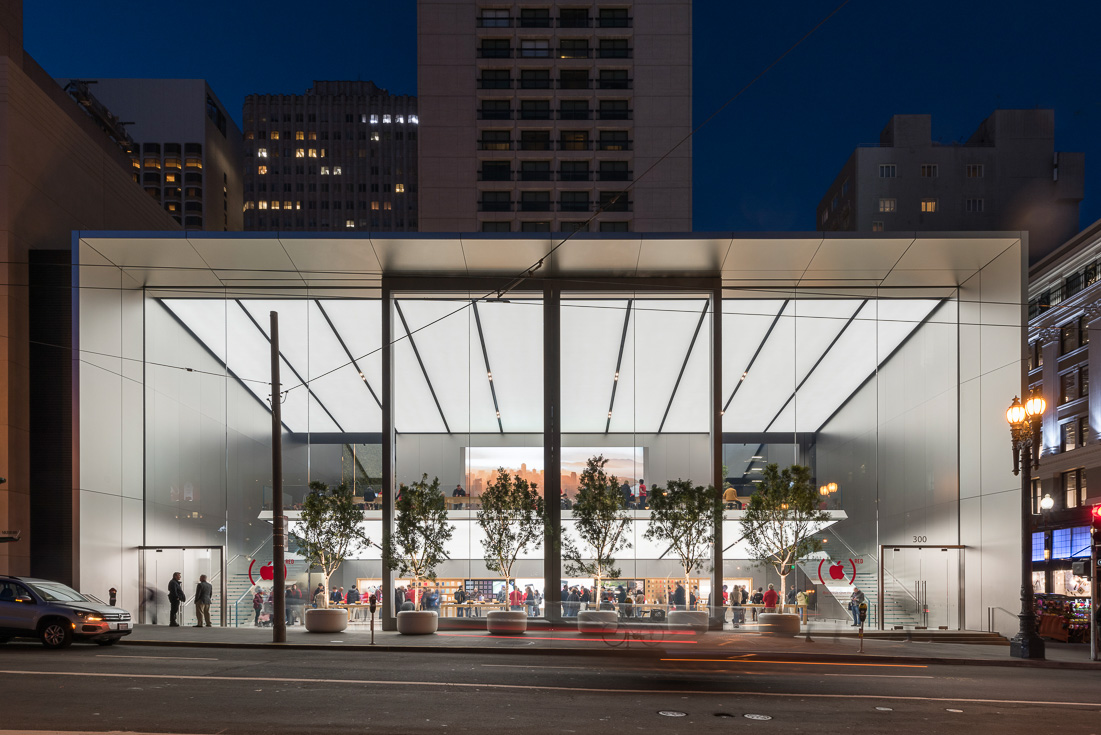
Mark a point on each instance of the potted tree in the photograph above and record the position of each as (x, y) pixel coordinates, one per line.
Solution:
(329, 531)
(600, 523)
(416, 547)
(779, 527)
(512, 518)
(684, 518)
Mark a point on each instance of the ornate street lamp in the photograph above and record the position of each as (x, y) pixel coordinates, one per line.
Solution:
(1024, 430)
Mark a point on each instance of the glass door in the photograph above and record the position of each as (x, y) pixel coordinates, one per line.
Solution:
(158, 564)
(921, 587)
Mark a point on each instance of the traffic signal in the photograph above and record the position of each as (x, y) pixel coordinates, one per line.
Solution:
(1095, 515)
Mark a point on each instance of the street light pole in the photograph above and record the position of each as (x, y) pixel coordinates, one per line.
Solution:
(1024, 428)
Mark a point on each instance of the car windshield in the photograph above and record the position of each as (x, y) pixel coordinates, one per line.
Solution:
(57, 592)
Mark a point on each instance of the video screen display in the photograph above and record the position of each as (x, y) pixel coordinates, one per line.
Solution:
(482, 463)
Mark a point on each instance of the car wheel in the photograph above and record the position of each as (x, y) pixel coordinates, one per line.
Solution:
(56, 634)
(107, 641)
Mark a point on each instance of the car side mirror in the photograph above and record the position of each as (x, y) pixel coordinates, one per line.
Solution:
(26, 600)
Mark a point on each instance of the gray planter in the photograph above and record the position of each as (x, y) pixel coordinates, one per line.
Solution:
(506, 621)
(780, 625)
(418, 622)
(597, 621)
(326, 620)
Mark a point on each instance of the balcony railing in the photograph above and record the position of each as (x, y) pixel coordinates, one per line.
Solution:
(614, 53)
(614, 145)
(492, 206)
(620, 205)
(575, 145)
(614, 114)
(575, 83)
(535, 83)
(495, 175)
(575, 53)
(535, 175)
(494, 114)
(613, 22)
(582, 206)
(494, 53)
(585, 22)
(614, 83)
(494, 22)
(575, 114)
(534, 21)
(494, 84)
(535, 206)
(495, 145)
(575, 175)
(535, 114)
(615, 175)
(535, 145)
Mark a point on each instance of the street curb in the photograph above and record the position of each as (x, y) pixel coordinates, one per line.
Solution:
(827, 658)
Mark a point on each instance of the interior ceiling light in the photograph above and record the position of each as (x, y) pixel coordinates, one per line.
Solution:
(744, 375)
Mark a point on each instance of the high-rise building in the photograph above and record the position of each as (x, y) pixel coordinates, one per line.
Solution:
(189, 153)
(341, 157)
(61, 174)
(537, 113)
(1006, 176)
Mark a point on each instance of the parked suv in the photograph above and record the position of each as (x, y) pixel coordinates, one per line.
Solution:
(57, 615)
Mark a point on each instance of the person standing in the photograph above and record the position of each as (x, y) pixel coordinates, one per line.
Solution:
(460, 598)
(176, 597)
(642, 494)
(678, 597)
(855, 600)
(257, 605)
(770, 598)
(204, 593)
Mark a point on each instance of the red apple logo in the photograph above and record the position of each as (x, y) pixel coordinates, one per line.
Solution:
(267, 572)
(837, 571)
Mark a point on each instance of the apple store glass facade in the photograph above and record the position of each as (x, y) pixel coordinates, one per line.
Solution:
(388, 378)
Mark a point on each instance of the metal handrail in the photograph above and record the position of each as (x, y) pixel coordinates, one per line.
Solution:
(990, 616)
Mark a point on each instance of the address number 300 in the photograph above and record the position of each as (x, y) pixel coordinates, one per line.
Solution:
(920, 539)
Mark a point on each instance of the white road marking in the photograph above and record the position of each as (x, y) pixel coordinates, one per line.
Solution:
(538, 687)
(533, 666)
(162, 658)
(880, 676)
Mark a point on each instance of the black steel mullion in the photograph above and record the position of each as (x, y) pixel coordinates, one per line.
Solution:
(347, 352)
(753, 359)
(489, 370)
(816, 364)
(683, 366)
(424, 371)
(283, 357)
(618, 365)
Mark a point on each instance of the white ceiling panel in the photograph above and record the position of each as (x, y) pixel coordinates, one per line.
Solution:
(745, 324)
(768, 383)
(591, 333)
(513, 334)
(691, 407)
(441, 330)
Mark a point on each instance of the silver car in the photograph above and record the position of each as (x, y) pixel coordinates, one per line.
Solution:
(56, 614)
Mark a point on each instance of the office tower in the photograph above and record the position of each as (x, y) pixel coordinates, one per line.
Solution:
(189, 153)
(537, 113)
(341, 157)
(62, 173)
(1006, 176)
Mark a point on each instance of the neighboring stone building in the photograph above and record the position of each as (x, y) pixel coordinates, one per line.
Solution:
(189, 155)
(1006, 177)
(1064, 311)
(59, 173)
(538, 113)
(341, 157)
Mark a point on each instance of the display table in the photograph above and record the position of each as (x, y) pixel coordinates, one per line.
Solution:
(473, 609)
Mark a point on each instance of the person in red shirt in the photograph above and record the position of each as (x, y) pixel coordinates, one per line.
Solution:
(516, 599)
(770, 599)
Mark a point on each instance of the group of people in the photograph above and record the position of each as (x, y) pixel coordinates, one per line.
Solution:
(204, 595)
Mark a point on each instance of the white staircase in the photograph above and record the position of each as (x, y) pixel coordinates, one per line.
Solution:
(899, 609)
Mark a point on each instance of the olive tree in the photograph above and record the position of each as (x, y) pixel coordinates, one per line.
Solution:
(600, 522)
(512, 518)
(684, 516)
(330, 528)
(416, 546)
(782, 518)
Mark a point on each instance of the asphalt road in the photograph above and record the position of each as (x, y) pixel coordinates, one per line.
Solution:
(181, 690)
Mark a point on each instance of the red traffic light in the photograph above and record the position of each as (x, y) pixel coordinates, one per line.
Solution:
(1095, 512)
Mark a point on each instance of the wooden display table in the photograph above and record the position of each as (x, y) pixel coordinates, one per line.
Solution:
(449, 609)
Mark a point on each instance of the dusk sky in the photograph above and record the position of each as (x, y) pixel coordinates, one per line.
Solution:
(762, 164)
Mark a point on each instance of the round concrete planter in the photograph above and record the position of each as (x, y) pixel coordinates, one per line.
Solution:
(597, 621)
(694, 619)
(778, 624)
(506, 621)
(418, 622)
(326, 620)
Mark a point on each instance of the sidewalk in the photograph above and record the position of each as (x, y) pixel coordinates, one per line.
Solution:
(718, 644)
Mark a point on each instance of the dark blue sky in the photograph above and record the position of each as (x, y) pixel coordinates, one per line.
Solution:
(763, 164)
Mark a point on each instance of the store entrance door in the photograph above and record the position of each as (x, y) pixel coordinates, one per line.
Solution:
(157, 565)
(921, 586)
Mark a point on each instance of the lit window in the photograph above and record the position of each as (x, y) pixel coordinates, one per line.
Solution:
(374, 119)
(336, 171)
(877, 226)
(194, 163)
(152, 163)
(324, 170)
(322, 152)
(363, 118)
(170, 178)
(374, 136)
(414, 119)
(299, 135)
(929, 170)
(400, 118)
(374, 206)
(262, 170)
(385, 119)
(171, 207)
(313, 135)
(313, 153)
(349, 223)
(399, 188)
(387, 206)
(886, 170)
(286, 205)
(299, 152)
(262, 152)
(887, 205)
(928, 205)
(275, 204)
(298, 205)
(974, 171)
(249, 135)
(975, 205)
(263, 205)
(275, 135)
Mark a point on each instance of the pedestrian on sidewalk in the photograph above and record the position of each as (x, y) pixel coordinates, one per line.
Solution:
(257, 605)
(855, 600)
(176, 597)
(204, 593)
